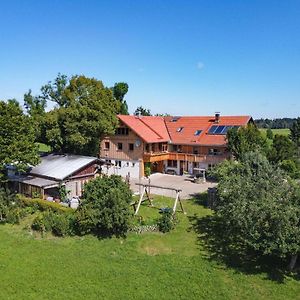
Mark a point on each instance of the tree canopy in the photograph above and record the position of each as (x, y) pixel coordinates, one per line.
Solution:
(105, 209)
(120, 89)
(17, 135)
(86, 111)
(282, 149)
(245, 139)
(259, 208)
(142, 111)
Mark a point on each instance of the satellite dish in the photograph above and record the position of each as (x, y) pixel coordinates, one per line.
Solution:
(137, 143)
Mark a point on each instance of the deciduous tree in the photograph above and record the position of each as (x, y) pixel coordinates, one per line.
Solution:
(86, 111)
(17, 137)
(244, 140)
(105, 207)
(259, 209)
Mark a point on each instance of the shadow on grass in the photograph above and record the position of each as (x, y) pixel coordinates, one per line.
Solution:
(213, 239)
(200, 198)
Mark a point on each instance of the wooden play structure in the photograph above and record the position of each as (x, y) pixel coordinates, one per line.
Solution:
(145, 191)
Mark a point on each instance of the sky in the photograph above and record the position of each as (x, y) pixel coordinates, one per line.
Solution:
(178, 57)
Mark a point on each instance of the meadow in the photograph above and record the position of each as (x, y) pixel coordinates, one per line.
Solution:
(174, 265)
(284, 131)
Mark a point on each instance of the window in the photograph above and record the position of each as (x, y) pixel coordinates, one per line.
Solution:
(118, 163)
(131, 147)
(119, 146)
(214, 152)
(106, 146)
(153, 147)
(175, 147)
(172, 163)
(147, 148)
(197, 132)
(179, 129)
(133, 165)
(122, 131)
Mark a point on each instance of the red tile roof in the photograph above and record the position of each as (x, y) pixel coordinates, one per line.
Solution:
(151, 129)
(154, 129)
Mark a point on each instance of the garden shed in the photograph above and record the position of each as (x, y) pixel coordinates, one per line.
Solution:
(55, 170)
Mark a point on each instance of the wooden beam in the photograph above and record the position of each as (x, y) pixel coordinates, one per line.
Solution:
(140, 201)
(159, 187)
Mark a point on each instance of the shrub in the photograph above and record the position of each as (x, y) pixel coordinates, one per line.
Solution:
(167, 221)
(44, 205)
(10, 208)
(105, 207)
(59, 224)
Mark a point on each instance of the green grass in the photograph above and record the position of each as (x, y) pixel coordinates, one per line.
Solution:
(284, 131)
(147, 266)
(44, 147)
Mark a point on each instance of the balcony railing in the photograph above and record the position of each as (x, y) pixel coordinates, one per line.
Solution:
(159, 156)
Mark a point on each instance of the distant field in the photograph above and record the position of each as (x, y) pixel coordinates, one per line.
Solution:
(43, 147)
(146, 266)
(284, 131)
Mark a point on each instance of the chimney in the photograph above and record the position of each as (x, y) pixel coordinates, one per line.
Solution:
(217, 117)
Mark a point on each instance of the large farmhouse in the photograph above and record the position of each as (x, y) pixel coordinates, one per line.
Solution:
(167, 144)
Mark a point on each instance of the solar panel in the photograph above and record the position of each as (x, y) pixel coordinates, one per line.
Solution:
(212, 129)
(224, 131)
(219, 129)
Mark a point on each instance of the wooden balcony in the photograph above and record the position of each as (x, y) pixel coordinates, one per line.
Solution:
(160, 156)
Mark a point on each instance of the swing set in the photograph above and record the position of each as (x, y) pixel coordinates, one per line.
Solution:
(145, 191)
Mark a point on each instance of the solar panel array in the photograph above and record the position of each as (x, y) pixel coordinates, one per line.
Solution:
(220, 129)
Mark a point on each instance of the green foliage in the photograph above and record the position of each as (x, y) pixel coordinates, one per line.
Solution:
(105, 207)
(167, 221)
(282, 149)
(59, 224)
(259, 209)
(142, 111)
(87, 111)
(147, 169)
(16, 137)
(35, 107)
(120, 89)
(223, 169)
(295, 132)
(290, 167)
(63, 193)
(244, 140)
(44, 205)
(270, 134)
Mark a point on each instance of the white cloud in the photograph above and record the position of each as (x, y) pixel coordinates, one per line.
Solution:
(200, 65)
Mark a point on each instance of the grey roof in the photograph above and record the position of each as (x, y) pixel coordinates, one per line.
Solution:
(36, 181)
(61, 166)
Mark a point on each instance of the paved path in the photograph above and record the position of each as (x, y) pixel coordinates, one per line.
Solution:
(185, 182)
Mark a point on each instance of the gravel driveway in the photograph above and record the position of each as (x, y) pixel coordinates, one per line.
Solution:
(185, 182)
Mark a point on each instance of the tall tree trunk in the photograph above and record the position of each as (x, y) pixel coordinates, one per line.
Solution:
(292, 262)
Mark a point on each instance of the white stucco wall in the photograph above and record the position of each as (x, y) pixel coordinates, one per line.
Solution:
(127, 167)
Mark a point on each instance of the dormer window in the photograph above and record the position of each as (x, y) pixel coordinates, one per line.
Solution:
(197, 132)
(179, 129)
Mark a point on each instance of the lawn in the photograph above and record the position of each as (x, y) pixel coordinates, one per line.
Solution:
(147, 266)
(284, 131)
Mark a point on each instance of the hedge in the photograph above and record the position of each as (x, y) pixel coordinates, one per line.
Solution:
(44, 205)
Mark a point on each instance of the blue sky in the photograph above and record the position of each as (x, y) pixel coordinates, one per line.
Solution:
(180, 57)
